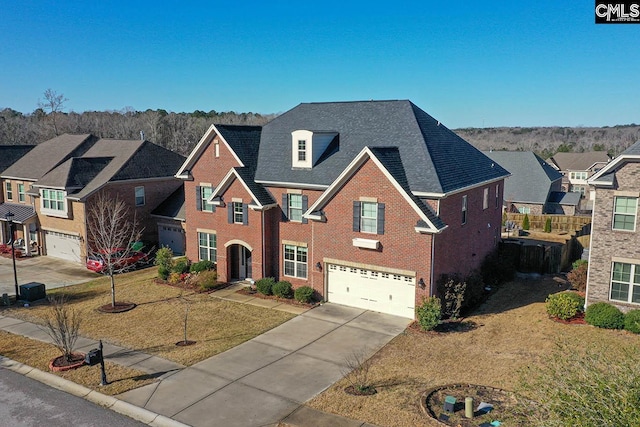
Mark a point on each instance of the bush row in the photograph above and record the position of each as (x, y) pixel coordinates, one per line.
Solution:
(284, 289)
(565, 305)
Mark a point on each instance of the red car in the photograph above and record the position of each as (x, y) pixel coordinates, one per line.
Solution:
(121, 260)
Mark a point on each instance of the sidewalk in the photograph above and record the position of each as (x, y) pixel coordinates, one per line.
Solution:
(261, 382)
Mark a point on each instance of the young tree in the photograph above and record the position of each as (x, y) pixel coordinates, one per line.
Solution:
(111, 229)
(54, 103)
(62, 325)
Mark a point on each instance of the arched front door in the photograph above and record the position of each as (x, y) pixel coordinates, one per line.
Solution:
(240, 262)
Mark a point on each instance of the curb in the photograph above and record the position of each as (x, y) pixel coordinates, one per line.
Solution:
(120, 406)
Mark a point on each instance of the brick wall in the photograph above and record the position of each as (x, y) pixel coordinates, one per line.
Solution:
(608, 244)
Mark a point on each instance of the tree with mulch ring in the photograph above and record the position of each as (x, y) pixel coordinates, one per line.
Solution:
(118, 307)
(62, 325)
(187, 305)
(506, 407)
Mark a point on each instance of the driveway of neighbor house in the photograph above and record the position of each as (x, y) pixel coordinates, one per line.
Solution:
(53, 272)
(267, 378)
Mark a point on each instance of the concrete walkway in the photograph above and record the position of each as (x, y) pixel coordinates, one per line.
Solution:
(260, 382)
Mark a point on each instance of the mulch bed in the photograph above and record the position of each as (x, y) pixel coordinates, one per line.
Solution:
(191, 286)
(578, 319)
(248, 291)
(119, 307)
(446, 326)
(61, 363)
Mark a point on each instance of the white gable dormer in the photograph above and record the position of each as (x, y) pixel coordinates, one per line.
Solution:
(307, 147)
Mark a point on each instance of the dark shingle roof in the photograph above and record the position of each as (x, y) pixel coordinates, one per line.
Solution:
(21, 212)
(173, 206)
(9, 154)
(531, 176)
(633, 150)
(263, 196)
(244, 141)
(49, 154)
(578, 161)
(434, 158)
(74, 173)
(563, 198)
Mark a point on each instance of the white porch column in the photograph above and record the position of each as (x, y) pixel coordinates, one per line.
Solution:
(26, 238)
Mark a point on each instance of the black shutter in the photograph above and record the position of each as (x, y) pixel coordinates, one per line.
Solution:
(230, 213)
(356, 216)
(198, 198)
(380, 218)
(285, 206)
(245, 214)
(305, 206)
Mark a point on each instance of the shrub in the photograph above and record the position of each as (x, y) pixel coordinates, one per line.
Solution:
(632, 321)
(498, 267)
(451, 290)
(525, 222)
(174, 278)
(578, 276)
(429, 313)
(304, 294)
(181, 266)
(577, 263)
(203, 265)
(474, 292)
(207, 279)
(564, 305)
(604, 315)
(282, 289)
(547, 225)
(265, 285)
(164, 258)
(163, 272)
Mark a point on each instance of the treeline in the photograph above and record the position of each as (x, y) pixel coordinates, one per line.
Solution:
(546, 141)
(179, 132)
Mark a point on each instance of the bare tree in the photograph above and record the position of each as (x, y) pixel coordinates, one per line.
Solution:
(62, 325)
(356, 372)
(54, 103)
(111, 229)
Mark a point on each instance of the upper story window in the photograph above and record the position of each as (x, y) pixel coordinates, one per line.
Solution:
(295, 207)
(21, 194)
(302, 150)
(53, 200)
(625, 282)
(485, 199)
(624, 213)
(139, 191)
(203, 197)
(217, 149)
(238, 213)
(578, 175)
(464, 209)
(368, 217)
(524, 210)
(9, 190)
(579, 189)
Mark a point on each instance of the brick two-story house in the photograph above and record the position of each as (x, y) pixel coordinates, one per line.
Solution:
(12, 195)
(614, 256)
(366, 202)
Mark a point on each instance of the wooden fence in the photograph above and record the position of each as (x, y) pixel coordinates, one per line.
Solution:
(543, 258)
(558, 222)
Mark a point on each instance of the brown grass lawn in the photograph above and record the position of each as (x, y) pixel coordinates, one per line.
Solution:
(511, 331)
(157, 322)
(38, 354)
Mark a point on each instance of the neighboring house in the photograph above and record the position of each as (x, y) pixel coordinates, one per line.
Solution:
(614, 255)
(171, 216)
(576, 169)
(368, 203)
(12, 193)
(534, 187)
(63, 176)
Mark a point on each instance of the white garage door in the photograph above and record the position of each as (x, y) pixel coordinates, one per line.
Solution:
(173, 237)
(64, 246)
(372, 290)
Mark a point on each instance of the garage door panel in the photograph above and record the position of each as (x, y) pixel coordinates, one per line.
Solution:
(63, 246)
(372, 290)
(172, 237)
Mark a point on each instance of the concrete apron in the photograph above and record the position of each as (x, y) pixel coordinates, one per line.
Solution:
(263, 380)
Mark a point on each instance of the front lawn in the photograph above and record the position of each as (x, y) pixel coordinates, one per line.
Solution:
(157, 322)
(510, 332)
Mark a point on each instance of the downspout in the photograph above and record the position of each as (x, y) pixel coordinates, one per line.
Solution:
(433, 254)
(593, 215)
(263, 249)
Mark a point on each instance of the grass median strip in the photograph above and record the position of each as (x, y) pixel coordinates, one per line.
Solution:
(157, 322)
(37, 354)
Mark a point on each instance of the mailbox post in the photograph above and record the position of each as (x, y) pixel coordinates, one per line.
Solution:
(94, 357)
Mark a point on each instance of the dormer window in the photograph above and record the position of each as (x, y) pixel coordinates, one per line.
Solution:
(302, 150)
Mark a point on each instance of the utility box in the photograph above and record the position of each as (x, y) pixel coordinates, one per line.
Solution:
(93, 357)
(32, 291)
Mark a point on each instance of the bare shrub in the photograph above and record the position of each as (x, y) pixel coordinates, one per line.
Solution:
(357, 371)
(63, 325)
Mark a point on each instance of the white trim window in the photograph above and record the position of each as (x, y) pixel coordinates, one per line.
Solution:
(238, 213)
(485, 198)
(205, 193)
(524, 209)
(139, 192)
(302, 150)
(9, 190)
(464, 210)
(625, 283)
(53, 200)
(295, 261)
(295, 207)
(369, 217)
(624, 213)
(21, 193)
(578, 175)
(207, 246)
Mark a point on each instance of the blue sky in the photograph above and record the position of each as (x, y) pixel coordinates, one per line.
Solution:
(468, 64)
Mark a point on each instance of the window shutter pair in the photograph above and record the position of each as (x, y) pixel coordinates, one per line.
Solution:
(245, 213)
(285, 207)
(356, 217)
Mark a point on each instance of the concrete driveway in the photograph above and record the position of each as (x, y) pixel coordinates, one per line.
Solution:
(262, 381)
(53, 272)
